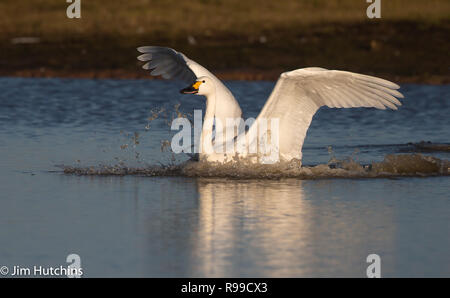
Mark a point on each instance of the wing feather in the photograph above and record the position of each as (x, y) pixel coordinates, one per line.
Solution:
(369, 79)
(300, 93)
(171, 64)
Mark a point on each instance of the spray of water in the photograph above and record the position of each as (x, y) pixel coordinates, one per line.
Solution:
(393, 165)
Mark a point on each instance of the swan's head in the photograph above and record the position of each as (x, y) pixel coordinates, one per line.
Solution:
(202, 86)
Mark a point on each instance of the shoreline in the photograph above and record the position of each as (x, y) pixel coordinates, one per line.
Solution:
(399, 51)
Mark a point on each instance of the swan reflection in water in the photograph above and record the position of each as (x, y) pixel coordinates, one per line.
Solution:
(284, 229)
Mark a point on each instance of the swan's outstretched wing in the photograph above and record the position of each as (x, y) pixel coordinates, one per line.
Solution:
(171, 64)
(300, 93)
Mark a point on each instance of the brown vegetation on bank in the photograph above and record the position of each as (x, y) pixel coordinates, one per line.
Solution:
(236, 39)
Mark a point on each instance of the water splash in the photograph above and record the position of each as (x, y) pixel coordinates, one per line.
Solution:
(401, 165)
(413, 164)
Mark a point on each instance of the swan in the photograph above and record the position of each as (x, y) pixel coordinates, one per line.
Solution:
(296, 97)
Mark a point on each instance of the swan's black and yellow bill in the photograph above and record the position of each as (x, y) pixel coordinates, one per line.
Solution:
(193, 89)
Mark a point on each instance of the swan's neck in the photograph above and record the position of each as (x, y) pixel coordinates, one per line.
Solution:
(208, 122)
(220, 106)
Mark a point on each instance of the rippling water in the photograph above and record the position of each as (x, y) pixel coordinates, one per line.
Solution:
(193, 220)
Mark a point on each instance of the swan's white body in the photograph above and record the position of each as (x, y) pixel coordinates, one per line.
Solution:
(297, 96)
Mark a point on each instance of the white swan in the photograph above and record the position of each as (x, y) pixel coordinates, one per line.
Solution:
(297, 95)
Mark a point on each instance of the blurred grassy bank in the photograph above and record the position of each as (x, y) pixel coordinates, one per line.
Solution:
(248, 39)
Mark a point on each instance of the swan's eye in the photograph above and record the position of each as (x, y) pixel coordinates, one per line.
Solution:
(203, 81)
